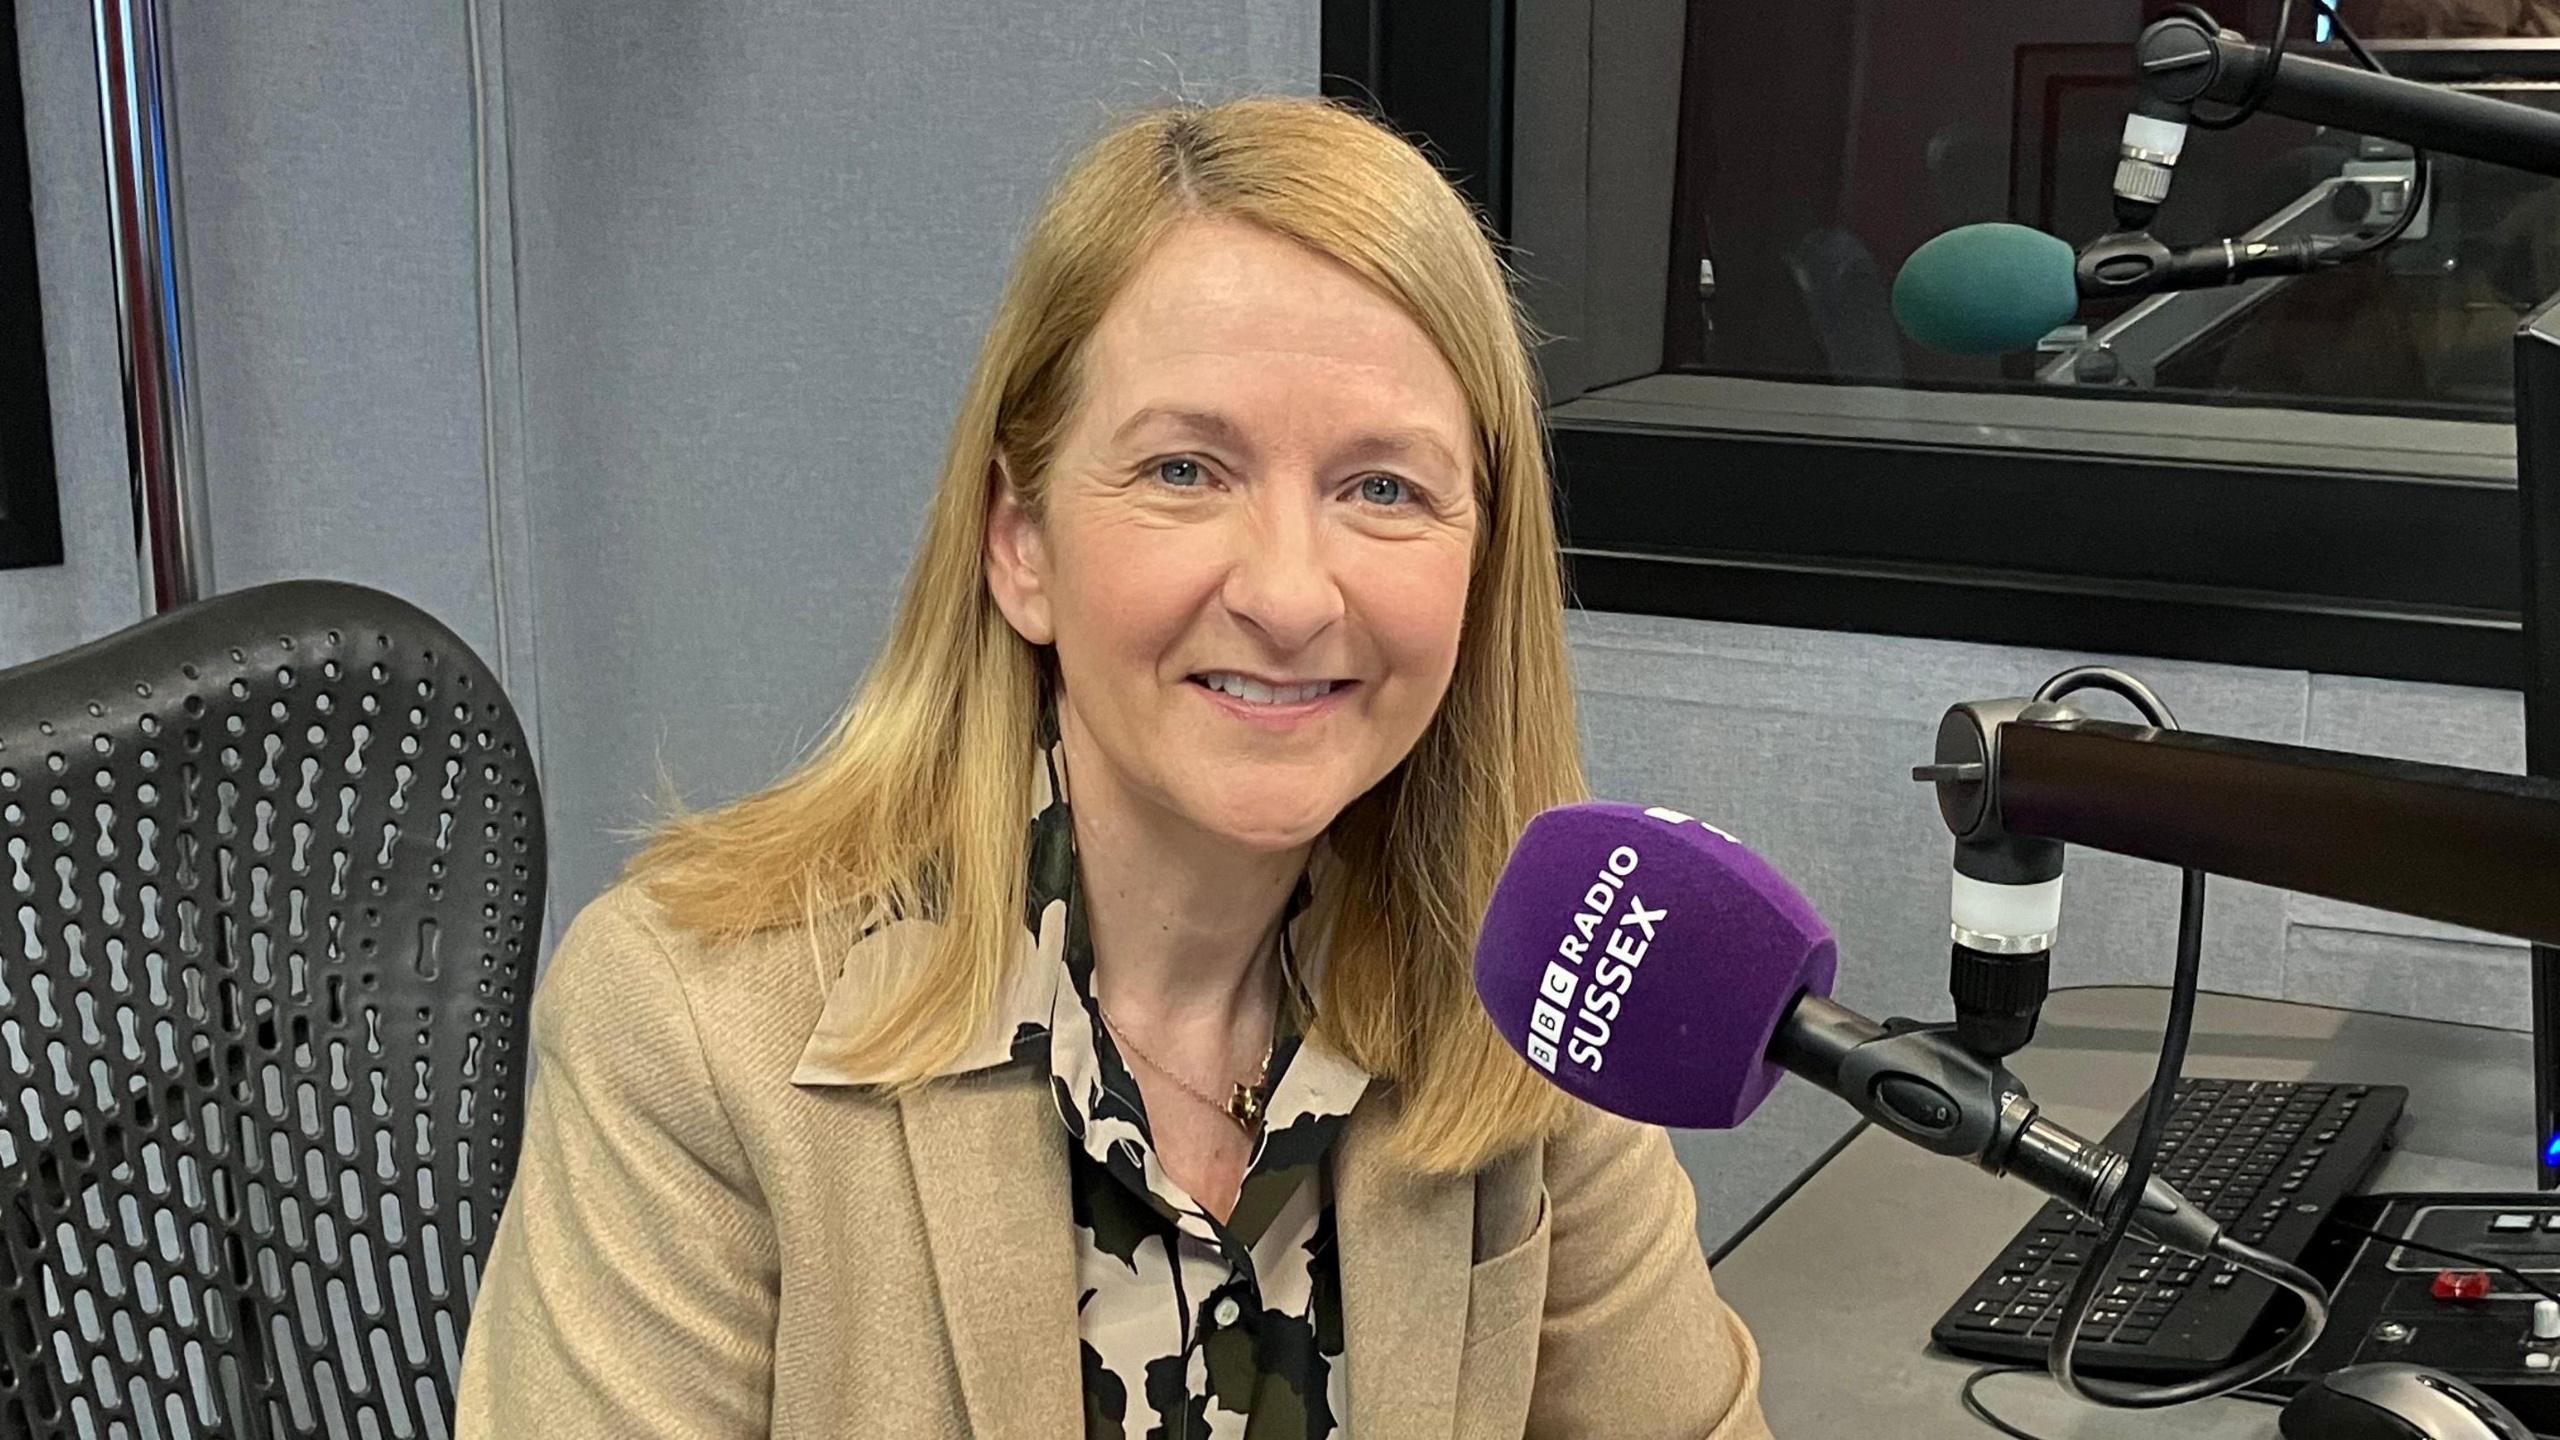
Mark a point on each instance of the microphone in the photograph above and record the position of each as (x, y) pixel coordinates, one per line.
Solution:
(1993, 288)
(1653, 966)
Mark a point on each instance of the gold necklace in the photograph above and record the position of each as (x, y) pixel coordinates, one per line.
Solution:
(1244, 1102)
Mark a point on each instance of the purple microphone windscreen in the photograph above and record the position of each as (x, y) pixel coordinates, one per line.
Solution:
(1642, 960)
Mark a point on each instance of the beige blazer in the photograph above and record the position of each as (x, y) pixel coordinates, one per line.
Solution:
(698, 1246)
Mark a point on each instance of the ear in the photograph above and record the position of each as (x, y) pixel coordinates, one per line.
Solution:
(1017, 560)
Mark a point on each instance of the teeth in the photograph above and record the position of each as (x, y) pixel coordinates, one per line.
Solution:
(1254, 692)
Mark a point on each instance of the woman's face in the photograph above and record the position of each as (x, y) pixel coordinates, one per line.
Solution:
(1254, 558)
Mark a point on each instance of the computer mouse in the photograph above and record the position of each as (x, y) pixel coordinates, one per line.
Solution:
(2397, 1402)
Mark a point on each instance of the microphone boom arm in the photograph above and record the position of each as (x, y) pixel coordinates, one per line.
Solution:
(2180, 62)
(2468, 847)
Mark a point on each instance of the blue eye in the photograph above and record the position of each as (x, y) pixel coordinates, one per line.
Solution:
(1180, 471)
(1383, 490)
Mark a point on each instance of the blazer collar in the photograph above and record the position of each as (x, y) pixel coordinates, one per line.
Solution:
(889, 946)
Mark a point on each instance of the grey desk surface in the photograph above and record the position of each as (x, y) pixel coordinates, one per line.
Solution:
(1842, 1282)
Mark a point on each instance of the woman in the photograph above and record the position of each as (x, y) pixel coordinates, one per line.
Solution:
(859, 1113)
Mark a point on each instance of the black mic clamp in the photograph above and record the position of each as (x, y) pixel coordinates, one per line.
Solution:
(1908, 1079)
(2167, 56)
(2130, 263)
(1919, 1083)
(2007, 895)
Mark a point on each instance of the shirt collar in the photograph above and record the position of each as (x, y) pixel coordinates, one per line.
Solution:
(1046, 1011)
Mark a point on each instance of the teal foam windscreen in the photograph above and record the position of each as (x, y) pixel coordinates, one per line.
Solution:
(1986, 289)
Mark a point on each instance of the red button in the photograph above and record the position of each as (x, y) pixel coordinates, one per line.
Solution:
(2461, 1284)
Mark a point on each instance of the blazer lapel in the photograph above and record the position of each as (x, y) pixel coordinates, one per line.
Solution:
(991, 1171)
(1405, 1251)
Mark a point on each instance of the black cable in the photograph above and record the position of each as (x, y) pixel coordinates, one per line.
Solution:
(2113, 1226)
(1973, 1406)
(2264, 85)
(2096, 1267)
(1969, 1395)
(2259, 88)
(2347, 37)
(2155, 1114)
(2155, 711)
(2425, 167)
(2478, 1262)
(2173, 1040)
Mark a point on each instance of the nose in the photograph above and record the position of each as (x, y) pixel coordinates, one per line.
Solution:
(1280, 578)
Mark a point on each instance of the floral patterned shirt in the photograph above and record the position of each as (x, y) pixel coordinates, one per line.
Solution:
(1193, 1328)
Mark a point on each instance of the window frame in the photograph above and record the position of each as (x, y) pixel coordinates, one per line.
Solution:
(1847, 507)
(30, 505)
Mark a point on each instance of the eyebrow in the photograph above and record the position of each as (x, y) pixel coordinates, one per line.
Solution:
(1400, 444)
(1217, 429)
(1209, 425)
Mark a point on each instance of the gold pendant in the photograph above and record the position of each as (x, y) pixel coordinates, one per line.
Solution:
(1245, 1106)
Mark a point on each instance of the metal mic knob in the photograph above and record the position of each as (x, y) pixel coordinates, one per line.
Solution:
(2154, 135)
(2145, 182)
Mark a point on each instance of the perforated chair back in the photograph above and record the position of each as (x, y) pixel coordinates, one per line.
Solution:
(269, 912)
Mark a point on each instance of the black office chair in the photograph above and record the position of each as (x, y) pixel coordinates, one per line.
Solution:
(1849, 305)
(270, 905)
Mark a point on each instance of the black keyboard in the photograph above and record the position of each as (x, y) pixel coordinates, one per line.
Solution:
(2268, 1158)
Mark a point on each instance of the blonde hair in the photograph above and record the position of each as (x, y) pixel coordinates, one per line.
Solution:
(915, 801)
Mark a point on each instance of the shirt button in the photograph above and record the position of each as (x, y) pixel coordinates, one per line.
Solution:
(1226, 1311)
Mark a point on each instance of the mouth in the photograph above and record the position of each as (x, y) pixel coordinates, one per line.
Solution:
(1254, 690)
